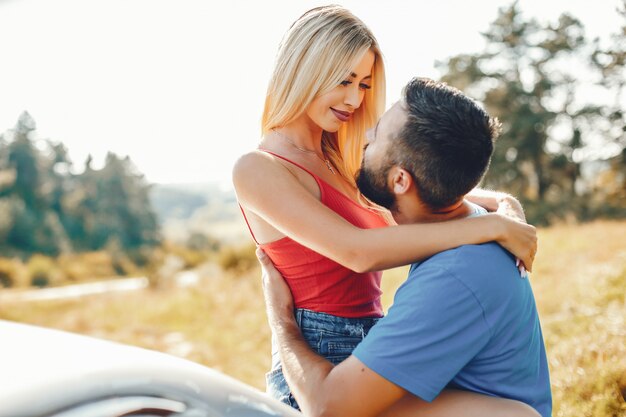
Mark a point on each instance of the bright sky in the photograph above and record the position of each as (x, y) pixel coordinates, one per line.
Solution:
(178, 85)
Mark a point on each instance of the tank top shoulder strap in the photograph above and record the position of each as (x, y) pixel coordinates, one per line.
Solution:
(317, 179)
(248, 223)
(319, 182)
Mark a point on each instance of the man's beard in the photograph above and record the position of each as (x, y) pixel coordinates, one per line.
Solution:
(374, 187)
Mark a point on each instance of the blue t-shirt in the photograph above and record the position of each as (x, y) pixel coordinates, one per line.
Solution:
(463, 319)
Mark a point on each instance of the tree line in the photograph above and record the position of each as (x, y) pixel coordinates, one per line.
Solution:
(47, 208)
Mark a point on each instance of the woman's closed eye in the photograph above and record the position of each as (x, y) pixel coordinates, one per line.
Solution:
(362, 86)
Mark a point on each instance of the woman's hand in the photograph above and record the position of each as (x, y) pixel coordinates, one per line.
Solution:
(511, 207)
(518, 238)
(498, 202)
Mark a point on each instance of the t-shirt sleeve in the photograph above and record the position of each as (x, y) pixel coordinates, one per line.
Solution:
(434, 328)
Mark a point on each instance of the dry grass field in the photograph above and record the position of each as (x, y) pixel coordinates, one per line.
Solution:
(579, 282)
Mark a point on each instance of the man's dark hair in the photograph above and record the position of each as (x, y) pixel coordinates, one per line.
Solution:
(446, 143)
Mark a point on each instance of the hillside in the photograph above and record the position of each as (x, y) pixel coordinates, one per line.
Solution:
(206, 209)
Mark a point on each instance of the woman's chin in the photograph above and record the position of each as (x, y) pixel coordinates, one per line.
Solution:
(332, 127)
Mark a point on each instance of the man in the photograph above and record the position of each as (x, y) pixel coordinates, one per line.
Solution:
(464, 319)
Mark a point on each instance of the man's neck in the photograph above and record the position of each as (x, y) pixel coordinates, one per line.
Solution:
(424, 214)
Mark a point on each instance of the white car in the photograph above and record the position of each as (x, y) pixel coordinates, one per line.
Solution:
(50, 373)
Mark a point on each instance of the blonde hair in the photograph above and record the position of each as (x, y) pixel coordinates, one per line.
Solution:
(316, 54)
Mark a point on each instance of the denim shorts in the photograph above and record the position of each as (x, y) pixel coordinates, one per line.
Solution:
(330, 336)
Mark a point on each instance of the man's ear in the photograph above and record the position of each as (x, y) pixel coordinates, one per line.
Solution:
(401, 180)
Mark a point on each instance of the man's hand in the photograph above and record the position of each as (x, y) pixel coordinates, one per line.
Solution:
(278, 298)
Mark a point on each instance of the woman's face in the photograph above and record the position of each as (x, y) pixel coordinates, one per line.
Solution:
(335, 107)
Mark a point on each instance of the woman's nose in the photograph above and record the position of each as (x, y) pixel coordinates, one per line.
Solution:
(353, 97)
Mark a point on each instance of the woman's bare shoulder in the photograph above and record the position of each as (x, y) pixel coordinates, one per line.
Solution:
(256, 165)
(252, 158)
(252, 161)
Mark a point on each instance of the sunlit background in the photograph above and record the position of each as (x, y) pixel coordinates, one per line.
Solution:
(179, 85)
(120, 121)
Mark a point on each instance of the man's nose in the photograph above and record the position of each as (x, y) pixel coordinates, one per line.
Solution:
(368, 135)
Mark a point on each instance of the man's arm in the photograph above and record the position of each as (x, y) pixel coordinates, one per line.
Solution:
(349, 389)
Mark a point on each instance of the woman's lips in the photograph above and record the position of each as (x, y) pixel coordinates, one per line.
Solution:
(344, 116)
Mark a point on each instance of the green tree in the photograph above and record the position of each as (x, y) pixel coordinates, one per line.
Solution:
(33, 227)
(122, 206)
(79, 205)
(524, 77)
(24, 159)
(611, 119)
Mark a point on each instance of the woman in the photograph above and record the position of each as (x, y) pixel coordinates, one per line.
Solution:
(298, 193)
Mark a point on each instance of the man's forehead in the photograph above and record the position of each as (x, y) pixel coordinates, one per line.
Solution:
(394, 118)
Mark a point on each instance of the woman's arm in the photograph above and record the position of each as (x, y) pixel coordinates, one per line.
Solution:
(268, 189)
(502, 203)
(499, 202)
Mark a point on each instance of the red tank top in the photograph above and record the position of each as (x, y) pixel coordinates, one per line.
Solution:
(319, 283)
